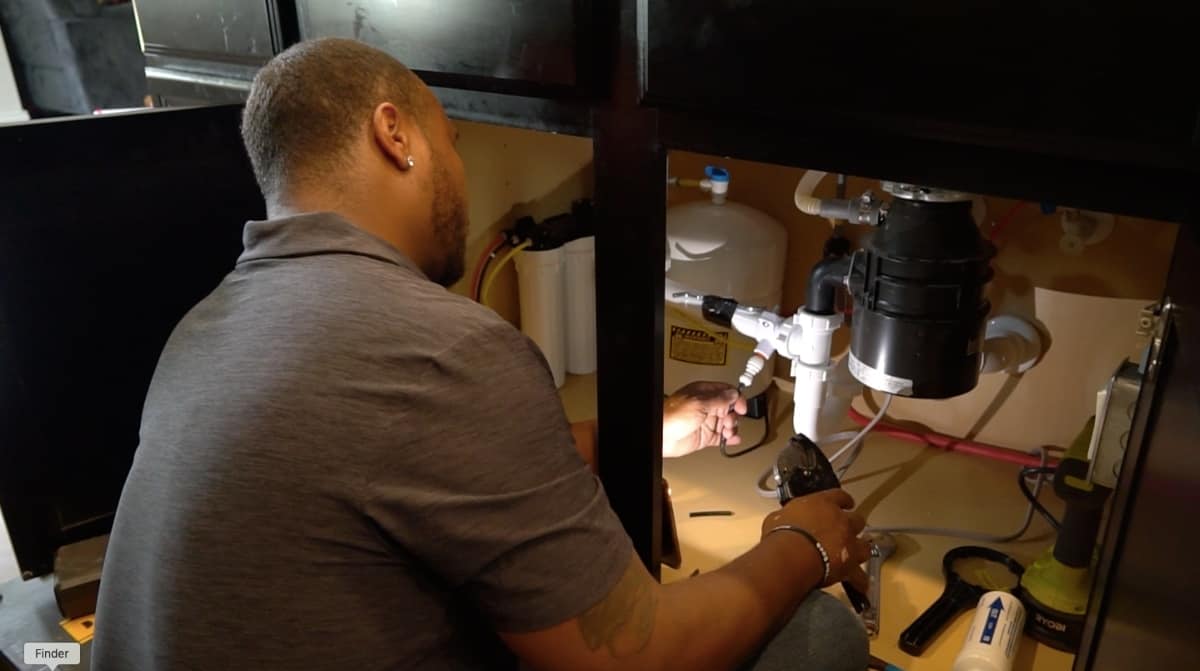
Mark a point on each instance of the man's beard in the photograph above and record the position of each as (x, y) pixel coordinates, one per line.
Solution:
(449, 228)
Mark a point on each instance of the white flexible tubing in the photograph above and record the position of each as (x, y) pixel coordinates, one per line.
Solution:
(968, 534)
(852, 446)
(963, 534)
(824, 442)
(805, 202)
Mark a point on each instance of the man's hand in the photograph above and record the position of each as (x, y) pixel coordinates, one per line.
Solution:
(698, 415)
(827, 515)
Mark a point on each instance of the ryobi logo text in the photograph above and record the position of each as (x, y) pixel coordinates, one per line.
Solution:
(1048, 623)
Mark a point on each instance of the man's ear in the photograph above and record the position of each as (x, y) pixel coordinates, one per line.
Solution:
(394, 133)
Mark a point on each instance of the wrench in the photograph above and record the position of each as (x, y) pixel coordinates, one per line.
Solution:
(882, 547)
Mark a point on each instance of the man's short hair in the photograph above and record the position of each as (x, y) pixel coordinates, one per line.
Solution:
(309, 104)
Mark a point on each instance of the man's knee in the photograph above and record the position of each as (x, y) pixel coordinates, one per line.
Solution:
(823, 635)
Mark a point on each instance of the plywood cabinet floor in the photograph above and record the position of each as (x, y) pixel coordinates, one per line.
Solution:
(894, 483)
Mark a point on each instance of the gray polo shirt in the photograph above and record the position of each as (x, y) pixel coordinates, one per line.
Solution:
(345, 466)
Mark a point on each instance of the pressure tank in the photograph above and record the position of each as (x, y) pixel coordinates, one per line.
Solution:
(728, 249)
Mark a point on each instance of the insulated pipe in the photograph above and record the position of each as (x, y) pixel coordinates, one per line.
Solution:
(805, 202)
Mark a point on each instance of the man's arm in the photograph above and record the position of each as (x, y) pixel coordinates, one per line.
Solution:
(713, 621)
(584, 434)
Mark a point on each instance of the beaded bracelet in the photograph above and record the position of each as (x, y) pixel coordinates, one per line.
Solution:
(812, 539)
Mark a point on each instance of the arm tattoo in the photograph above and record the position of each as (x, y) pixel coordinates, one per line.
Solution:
(624, 620)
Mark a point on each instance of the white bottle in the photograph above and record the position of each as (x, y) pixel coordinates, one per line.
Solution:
(994, 636)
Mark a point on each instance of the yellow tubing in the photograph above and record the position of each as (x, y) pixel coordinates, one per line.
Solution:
(491, 278)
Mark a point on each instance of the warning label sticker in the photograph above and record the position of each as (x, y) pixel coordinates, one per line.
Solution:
(695, 346)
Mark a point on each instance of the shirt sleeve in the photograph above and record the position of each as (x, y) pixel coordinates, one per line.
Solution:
(490, 493)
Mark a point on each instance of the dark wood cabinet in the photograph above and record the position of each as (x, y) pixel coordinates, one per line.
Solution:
(1073, 81)
(207, 51)
(1074, 105)
(237, 31)
(1068, 104)
(533, 47)
(533, 63)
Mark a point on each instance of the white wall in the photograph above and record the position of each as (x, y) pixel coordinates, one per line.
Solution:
(512, 173)
(10, 111)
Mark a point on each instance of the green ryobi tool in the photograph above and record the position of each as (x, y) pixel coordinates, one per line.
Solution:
(1054, 590)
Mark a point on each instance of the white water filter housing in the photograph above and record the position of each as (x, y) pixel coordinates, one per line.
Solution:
(581, 305)
(541, 285)
(726, 249)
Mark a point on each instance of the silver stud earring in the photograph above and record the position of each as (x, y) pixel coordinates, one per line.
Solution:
(411, 162)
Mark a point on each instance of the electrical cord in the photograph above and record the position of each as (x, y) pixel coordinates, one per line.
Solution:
(1039, 472)
(766, 492)
(763, 441)
(979, 537)
(1032, 496)
(853, 448)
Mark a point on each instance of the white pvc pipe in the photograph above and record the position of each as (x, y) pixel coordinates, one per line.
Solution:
(1010, 344)
(807, 409)
(542, 289)
(810, 368)
(581, 305)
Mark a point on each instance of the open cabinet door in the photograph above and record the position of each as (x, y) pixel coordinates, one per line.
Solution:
(1143, 612)
(111, 228)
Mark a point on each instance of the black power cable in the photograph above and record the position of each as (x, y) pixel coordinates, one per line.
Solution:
(765, 437)
(1037, 505)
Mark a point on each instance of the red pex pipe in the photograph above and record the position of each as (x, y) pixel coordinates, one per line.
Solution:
(949, 443)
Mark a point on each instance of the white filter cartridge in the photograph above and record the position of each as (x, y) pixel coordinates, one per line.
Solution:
(542, 290)
(581, 306)
(994, 636)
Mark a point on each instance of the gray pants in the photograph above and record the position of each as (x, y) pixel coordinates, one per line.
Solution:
(823, 635)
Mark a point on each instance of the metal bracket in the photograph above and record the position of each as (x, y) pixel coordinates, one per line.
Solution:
(1153, 322)
(1114, 417)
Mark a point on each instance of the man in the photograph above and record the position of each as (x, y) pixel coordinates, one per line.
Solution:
(344, 466)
